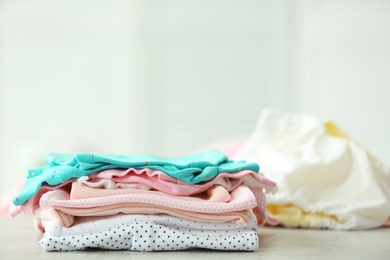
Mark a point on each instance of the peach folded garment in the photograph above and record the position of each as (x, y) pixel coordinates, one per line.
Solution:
(158, 180)
(216, 205)
(145, 179)
(162, 182)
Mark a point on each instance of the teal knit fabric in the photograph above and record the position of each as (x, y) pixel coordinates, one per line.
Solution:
(192, 169)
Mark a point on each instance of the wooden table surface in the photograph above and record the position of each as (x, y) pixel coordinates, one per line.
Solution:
(19, 240)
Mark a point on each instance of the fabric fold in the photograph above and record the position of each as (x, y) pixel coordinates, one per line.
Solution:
(146, 203)
(192, 169)
(148, 233)
(321, 172)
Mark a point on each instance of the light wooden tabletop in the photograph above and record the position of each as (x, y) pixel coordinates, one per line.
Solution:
(19, 240)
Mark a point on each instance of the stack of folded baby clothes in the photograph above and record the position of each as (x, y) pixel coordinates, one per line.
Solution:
(146, 203)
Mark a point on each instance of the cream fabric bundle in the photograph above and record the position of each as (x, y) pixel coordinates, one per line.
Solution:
(325, 179)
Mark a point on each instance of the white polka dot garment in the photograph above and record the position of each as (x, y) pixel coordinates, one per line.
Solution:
(148, 233)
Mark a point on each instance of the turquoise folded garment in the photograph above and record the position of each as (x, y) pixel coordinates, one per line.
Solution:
(191, 169)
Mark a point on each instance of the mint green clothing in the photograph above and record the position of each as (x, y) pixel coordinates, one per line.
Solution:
(192, 169)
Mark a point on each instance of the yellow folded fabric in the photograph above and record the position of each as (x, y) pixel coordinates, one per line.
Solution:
(293, 216)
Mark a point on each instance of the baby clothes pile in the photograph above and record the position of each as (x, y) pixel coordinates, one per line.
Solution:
(146, 203)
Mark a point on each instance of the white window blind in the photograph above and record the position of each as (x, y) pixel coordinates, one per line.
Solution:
(169, 76)
(212, 66)
(65, 81)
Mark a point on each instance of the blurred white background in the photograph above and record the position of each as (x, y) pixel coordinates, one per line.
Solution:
(169, 76)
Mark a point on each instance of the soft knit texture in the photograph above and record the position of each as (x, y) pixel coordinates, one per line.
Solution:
(148, 233)
(192, 169)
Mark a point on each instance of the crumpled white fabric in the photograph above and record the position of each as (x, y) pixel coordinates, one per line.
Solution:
(319, 171)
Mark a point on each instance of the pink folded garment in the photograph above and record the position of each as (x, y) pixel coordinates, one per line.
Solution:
(33, 204)
(213, 194)
(98, 202)
(82, 196)
(260, 210)
(158, 180)
(162, 182)
(154, 179)
(65, 216)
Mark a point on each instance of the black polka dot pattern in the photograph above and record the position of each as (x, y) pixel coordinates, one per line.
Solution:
(149, 236)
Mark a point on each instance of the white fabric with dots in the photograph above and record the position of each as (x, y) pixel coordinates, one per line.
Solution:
(148, 233)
